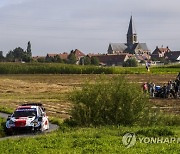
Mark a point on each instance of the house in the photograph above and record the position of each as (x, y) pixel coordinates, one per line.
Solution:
(132, 46)
(159, 52)
(63, 56)
(142, 57)
(78, 54)
(113, 59)
(173, 56)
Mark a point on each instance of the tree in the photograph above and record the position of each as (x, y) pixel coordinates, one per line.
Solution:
(1, 56)
(26, 57)
(57, 59)
(72, 58)
(41, 60)
(109, 101)
(130, 63)
(49, 59)
(10, 56)
(81, 62)
(85, 61)
(94, 61)
(29, 53)
(18, 53)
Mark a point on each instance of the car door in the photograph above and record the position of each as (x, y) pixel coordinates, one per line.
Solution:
(44, 124)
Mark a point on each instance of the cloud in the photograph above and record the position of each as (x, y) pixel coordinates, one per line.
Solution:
(57, 25)
(4, 3)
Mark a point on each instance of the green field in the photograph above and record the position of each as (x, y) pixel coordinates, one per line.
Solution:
(2, 124)
(55, 68)
(94, 140)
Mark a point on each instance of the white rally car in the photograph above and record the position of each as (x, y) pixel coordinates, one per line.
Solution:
(28, 117)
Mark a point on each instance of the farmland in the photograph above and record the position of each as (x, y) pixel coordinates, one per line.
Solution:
(53, 91)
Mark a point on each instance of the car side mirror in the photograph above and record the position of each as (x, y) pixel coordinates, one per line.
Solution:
(43, 109)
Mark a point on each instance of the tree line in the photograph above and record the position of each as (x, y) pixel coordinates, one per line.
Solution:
(20, 55)
(71, 59)
(17, 55)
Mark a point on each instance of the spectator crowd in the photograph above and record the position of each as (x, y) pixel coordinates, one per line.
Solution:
(167, 90)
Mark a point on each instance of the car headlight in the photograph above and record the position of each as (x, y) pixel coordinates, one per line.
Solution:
(11, 122)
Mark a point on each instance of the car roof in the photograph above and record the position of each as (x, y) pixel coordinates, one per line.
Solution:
(27, 107)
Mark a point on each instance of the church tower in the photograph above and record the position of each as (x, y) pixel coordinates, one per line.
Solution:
(131, 34)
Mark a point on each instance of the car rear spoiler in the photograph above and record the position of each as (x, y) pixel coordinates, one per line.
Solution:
(34, 104)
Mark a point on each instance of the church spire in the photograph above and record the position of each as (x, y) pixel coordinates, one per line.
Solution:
(131, 34)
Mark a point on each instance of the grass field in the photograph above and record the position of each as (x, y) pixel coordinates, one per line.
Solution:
(53, 92)
(55, 68)
(94, 140)
(2, 123)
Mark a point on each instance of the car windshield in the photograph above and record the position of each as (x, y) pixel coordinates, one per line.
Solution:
(25, 113)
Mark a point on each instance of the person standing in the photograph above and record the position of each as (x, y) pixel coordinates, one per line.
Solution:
(147, 66)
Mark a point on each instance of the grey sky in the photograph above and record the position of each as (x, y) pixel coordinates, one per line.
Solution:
(55, 26)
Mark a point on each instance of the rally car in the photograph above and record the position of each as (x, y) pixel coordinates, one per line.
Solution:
(28, 117)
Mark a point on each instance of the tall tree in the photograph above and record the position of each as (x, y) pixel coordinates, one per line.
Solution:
(18, 54)
(72, 58)
(1, 56)
(29, 49)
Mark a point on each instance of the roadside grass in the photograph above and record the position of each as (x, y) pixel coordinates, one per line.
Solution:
(5, 109)
(93, 140)
(2, 126)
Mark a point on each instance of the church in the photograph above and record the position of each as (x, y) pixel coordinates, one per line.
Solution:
(132, 46)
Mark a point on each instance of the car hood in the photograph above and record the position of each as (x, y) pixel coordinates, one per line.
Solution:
(27, 119)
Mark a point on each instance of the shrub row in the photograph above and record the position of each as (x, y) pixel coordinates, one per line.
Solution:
(46, 68)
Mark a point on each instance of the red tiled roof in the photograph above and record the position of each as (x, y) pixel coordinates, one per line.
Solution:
(78, 53)
(61, 55)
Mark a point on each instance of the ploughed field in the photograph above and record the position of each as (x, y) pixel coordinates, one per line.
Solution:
(53, 90)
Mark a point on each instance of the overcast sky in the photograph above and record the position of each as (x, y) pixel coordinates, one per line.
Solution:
(56, 26)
